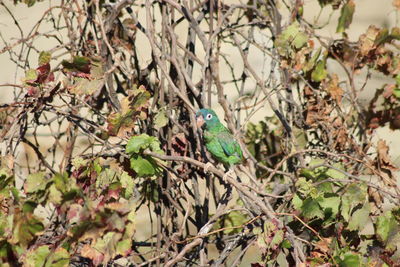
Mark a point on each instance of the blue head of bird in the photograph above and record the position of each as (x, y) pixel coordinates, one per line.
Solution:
(206, 118)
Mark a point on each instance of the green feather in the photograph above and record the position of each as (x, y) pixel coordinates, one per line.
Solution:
(218, 139)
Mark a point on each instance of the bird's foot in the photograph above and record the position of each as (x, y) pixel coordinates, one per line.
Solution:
(208, 166)
(230, 173)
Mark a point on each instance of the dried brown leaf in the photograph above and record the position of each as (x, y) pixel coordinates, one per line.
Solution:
(334, 89)
(385, 164)
(375, 195)
(91, 253)
(323, 245)
(367, 40)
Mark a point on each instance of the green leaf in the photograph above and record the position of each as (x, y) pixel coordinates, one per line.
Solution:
(387, 227)
(25, 228)
(311, 63)
(330, 205)
(281, 260)
(292, 36)
(320, 72)
(79, 162)
(355, 194)
(29, 206)
(323, 3)
(346, 16)
(44, 58)
(140, 97)
(138, 142)
(233, 219)
(35, 182)
(37, 257)
(128, 183)
(311, 209)
(297, 202)
(105, 179)
(143, 166)
(31, 75)
(55, 196)
(395, 33)
(161, 119)
(78, 64)
(108, 243)
(335, 174)
(350, 260)
(58, 258)
(277, 239)
(306, 188)
(286, 244)
(29, 3)
(5, 249)
(382, 37)
(358, 219)
(124, 247)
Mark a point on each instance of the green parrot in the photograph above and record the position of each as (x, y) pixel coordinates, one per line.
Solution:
(218, 139)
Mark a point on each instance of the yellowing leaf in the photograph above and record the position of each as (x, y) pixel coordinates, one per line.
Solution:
(26, 226)
(346, 16)
(85, 86)
(234, 218)
(387, 228)
(31, 76)
(132, 107)
(37, 257)
(44, 58)
(320, 72)
(58, 258)
(35, 182)
(124, 247)
(293, 37)
(161, 119)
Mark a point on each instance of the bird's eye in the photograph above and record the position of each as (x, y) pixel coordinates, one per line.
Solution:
(209, 116)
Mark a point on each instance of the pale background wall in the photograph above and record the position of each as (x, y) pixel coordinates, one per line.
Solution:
(379, 13)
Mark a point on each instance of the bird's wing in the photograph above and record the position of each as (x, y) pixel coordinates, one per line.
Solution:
(229, 144)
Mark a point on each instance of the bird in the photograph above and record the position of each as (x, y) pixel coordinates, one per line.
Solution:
(218, 140)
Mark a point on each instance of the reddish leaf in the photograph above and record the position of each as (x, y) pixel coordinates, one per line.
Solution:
(43, 73)
(93, 254)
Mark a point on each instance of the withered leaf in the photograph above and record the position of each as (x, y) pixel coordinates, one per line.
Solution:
(334, 89)
(133, 106)
(385, 164)
(367, 40)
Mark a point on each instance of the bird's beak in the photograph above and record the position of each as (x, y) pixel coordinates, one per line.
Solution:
(200, 121)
